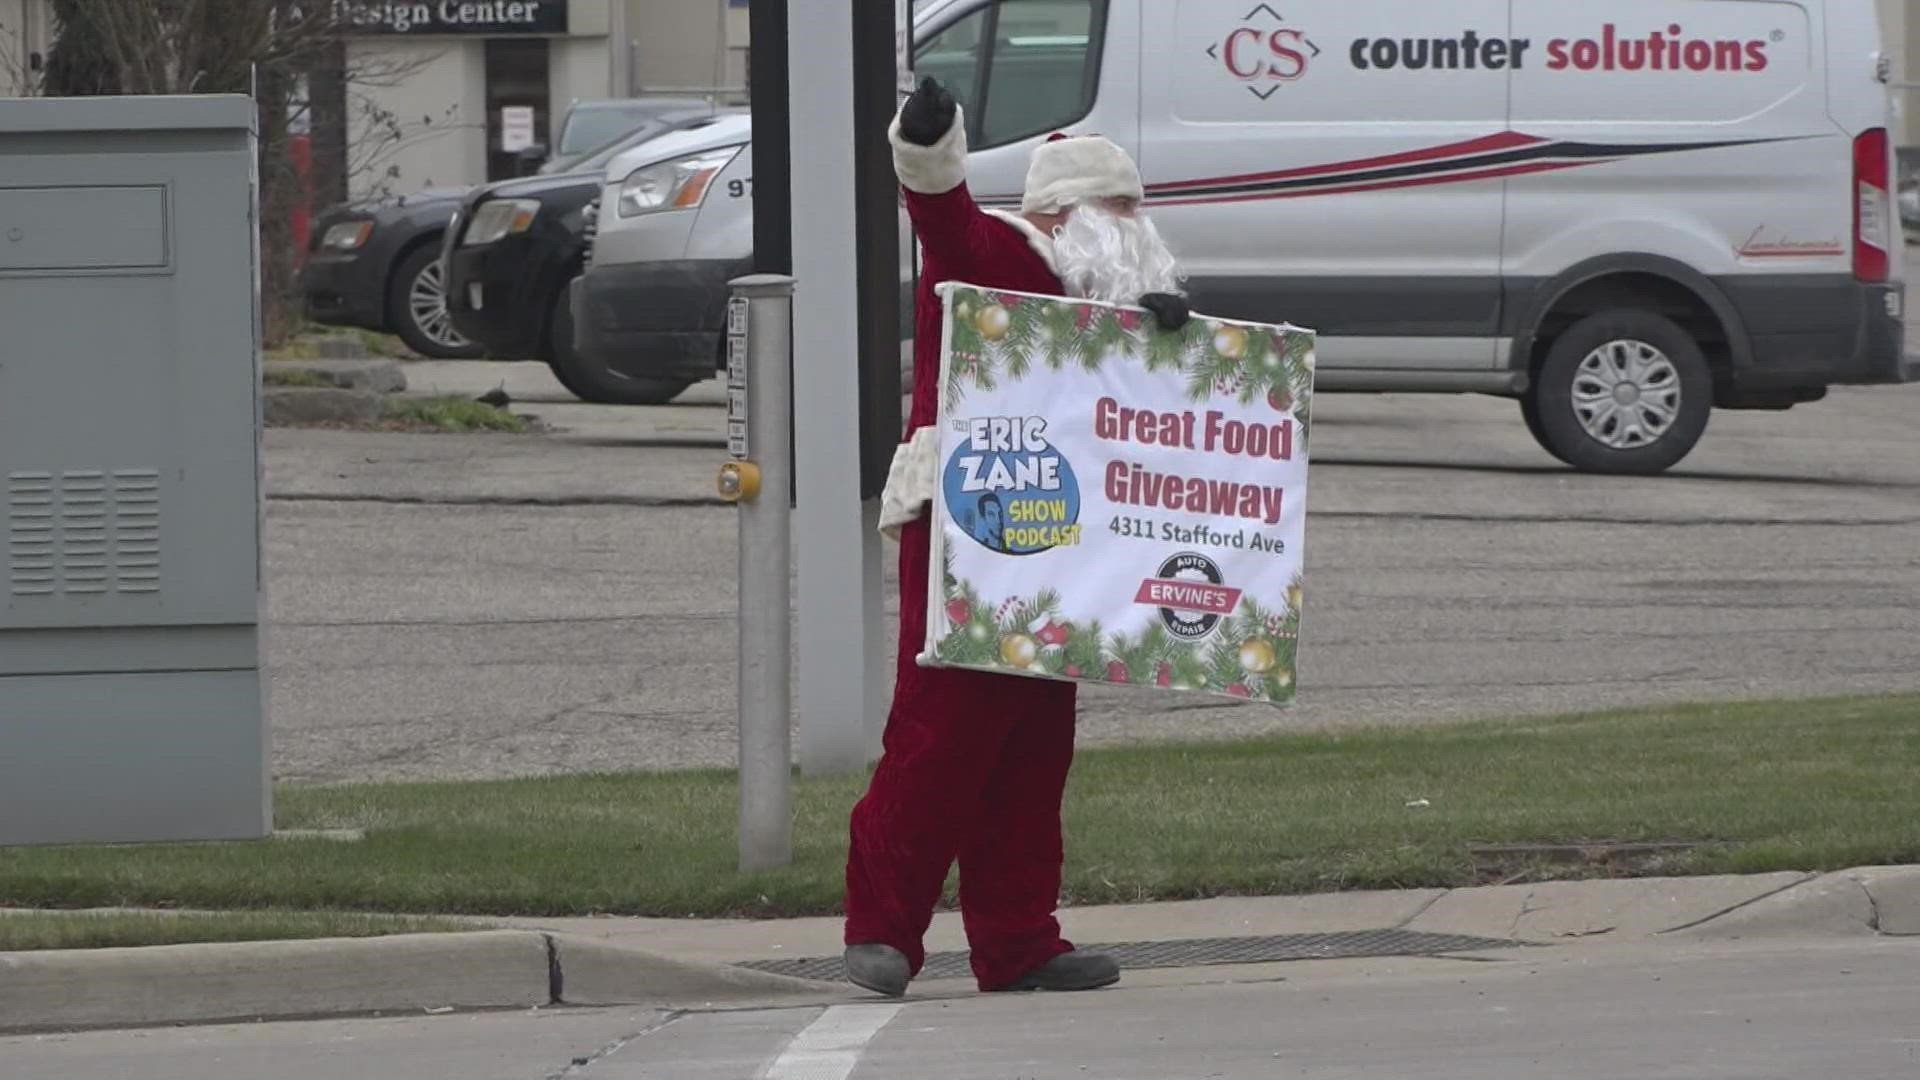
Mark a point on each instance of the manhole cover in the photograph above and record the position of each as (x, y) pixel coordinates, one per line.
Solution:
(1198, 952)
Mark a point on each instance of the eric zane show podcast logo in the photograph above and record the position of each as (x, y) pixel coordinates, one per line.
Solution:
(1266, 53)
(1010, 488)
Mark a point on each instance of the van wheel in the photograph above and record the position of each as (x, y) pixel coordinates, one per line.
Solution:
(593, 382)
(1625, 392)
(1530, 412)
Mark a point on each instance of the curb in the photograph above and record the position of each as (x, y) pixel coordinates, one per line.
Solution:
(407, 973)
(373, 376)
(1867, 901)
(532, 968)
(294, 406)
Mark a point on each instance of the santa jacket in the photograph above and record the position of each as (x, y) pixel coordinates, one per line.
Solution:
(959, 241)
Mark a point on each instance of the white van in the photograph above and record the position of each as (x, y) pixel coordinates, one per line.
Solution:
(1620, 215)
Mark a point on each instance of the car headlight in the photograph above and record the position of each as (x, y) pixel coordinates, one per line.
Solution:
(680, 184)
(499, 218)
(347, 236)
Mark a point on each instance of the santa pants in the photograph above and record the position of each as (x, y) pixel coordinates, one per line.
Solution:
(974, 767)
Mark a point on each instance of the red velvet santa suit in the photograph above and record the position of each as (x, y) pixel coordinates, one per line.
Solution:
(974, 764)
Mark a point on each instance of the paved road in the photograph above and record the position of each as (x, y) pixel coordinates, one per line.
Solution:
(483, 606)
(1780, 1011)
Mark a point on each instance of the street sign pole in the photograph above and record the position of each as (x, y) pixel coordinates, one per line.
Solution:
(759, 381)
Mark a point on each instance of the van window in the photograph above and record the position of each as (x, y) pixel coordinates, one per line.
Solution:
(1021, 67)
(953, 57)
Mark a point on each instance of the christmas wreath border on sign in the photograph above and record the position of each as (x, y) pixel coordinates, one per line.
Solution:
(996, 336)
(1252, 654)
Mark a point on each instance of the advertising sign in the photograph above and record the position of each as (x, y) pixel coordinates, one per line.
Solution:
(428, 17)
(1117, 503)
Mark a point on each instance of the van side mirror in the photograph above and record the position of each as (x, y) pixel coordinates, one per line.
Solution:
(529, 160)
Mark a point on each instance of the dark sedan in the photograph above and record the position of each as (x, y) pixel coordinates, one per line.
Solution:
(516, 245)
(376, 263)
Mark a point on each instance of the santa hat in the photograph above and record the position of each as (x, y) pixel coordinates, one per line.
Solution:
(1069, 168)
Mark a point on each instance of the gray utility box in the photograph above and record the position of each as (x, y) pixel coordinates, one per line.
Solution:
(131, 702)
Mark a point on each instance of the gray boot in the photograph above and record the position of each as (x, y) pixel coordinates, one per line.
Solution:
(882, 969)
(1071, 971)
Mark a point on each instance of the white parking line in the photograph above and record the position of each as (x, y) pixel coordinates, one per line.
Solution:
(830, 1047)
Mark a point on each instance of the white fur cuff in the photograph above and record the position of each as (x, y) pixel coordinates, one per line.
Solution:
(910, 481)
(931, 170)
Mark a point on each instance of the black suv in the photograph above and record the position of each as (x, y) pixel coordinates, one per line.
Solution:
(515, 245)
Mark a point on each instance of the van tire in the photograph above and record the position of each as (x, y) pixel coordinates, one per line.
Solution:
(592, 382)
(1530, 412)
(1661, 376)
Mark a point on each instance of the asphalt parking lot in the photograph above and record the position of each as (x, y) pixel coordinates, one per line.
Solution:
(473, 606)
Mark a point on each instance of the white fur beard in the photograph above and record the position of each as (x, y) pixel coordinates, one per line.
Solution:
(1103, 256)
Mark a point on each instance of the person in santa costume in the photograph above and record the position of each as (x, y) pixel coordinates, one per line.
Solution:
(975, 763)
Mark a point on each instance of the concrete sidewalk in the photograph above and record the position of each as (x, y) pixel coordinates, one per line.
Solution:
(678, 964)
(1866, 901)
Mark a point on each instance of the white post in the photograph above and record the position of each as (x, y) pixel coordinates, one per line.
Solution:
(839, 554)
(759, 384)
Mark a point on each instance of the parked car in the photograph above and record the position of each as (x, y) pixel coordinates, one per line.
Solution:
(591, 125)
(375, 263)
(650, 304)
(514, 246)
(1620, 218)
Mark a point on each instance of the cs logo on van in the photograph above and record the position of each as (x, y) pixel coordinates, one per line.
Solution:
(1264, 52)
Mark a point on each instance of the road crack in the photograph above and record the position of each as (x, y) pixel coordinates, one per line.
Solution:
(1750, 901)
(578, 1066)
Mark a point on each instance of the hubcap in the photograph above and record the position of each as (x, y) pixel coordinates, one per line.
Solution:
(1626, 394)
(428, 302)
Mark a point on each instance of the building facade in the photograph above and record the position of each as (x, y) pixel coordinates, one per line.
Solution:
(439, 90)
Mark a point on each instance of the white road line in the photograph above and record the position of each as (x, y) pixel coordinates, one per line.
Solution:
(830, 1047)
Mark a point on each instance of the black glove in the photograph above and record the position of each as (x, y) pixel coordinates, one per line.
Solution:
(1169, 309)
(927, 114)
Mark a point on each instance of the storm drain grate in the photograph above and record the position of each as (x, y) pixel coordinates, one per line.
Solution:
(1198, 952)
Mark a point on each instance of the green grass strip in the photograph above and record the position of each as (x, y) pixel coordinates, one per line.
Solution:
(1768, 786)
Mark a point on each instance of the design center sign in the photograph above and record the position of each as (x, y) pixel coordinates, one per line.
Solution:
(1116, 503)
(429, 17)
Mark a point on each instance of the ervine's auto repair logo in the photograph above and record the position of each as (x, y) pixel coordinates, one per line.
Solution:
(1191, 594)
(1010, 488)
(1264, 52)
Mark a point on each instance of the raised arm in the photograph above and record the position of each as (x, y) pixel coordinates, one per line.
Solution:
(929, 137)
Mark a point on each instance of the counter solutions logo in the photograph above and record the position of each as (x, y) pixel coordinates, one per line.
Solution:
(1010, 488)
(1266, 53)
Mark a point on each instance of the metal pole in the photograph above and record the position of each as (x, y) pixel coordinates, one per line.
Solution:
(759, 418)
(841, 618)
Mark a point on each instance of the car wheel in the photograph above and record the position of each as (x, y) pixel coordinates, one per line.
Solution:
(1625, 392)
(594, 382)
(417, 301)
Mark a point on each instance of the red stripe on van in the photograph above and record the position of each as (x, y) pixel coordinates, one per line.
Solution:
(1388, 185)
(1507, 140)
